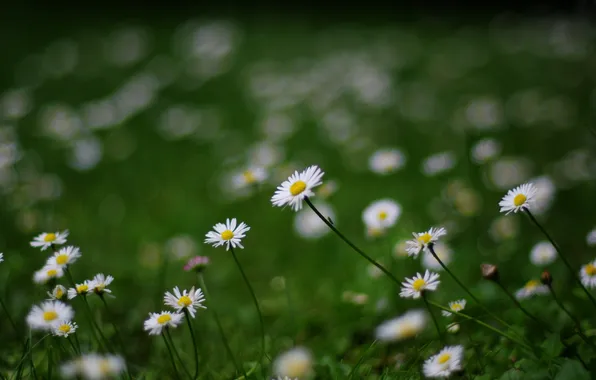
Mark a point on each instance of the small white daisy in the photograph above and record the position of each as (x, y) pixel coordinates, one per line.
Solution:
(80, 289)
(94, 367)
(48, 315)
(519, 198)
(423, 239)
(248, 177)
(46, 239)
(444, 253)
(406, 326)
(157, 321)
(297, 362)
(47, 273)
(65, 256)
(381, 214)
(456, 306)
(532, 287)
(293, 191)
(64, 328)
(57, 293)
(386, 161)
(591, 238)
(228, 234)
(413, 287)
(188, 299)
(543, 253)
(445, 363)
(588, 275)
(100, 282)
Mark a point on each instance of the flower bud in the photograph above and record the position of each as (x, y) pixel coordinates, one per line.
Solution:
(490, 272)
(546, 278)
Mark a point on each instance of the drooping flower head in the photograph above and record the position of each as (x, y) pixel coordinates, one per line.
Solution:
(228, 234)
(522, 197)
(47, 239)
(422, 240)
(293, 191)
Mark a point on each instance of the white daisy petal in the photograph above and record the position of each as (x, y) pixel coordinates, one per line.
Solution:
(293, 191)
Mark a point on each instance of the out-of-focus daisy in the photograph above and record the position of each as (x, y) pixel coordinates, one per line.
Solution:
(100, 282)
(456, 306)
(399, 249)
(57, 293)
(588, 275)
(408, 325)
(64, 328)
(519, 198)
(445, 363)
(249, 177)
(355, 298)
(188, 299)
(485, 150)
(543, 253)
(504, 228)
(444, 253)
(453, 328)
(438, 163)
(196, 264)
(65, 256)
(591, 238)
(381, 214)
(532, 287)
(1, 257)
(227, 234)
(47, 273)
(308, 225)
(49, 315)
(46, 239)
(413, 287)
(297, 362)
(80, 289)
(545, 194)
(386, 161)
(327, 189)
(293, 191)
(423, 239)
(157, 321)
(94, 367)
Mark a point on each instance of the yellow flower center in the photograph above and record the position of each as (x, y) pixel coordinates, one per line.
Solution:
(49, 238)
(382, 215)
(61, 259)
(164, 318)
(408, 330)
(418, 284)
(296, 368)
(184, 301)
(456, 307)
(52, 273)
(100, 287)
(104, 367)
(82, 288)
(424, 238)
(227, 235)
(519, 200)
(531, 284)
(444, 358)
(59, 293)
(49, 316)
(297, 187)
(590, 270)
(375, 232)
(64, 328)
(249, 177)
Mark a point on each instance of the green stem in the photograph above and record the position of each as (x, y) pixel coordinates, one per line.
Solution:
(519, 306)
(171, 356)
(118, 335)
(19, 370)
(31, 357)
(439, 332)
(12, 323)
(353, 371)
(96, 326)
(194, 343)
(74, 348)
(352, 245)
(573, 319)
(169, 336)
(29, 349)
(76, 337)
(219, 326)
(50, 361)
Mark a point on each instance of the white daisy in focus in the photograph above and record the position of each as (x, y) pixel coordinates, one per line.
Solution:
(293, 191)
(64, 329)
(94, 367)
(587, 275)
(531, 288)
(522, 197)
(229, 234)
(456, 306)
(65, 256)
(591, 238)
(46, 239)
(49, 315)
(57, 293)
(99, 284)
(413, 287)
(158, 321)
(543, 253)
(445, 363)
(187, 300)
(423, 239)
(47, 273)
(308, 225)
(444, 253)
(386, 161)
(406, 326)
(296, 362)
(381, 215)
(80, 289)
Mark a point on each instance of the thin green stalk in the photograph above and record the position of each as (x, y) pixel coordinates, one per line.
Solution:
(171, 356)
(478, 354)
(439, 332)
(352, 245)
(353, 371)
(12, 323)
(31, 358)
(76, 337)
(573, 319)
(169, 336)
(519, 306)
(256, 302)
(118, 335)
(219, 326)
(29, 350)
(194, 343)
(103, 339)
(50, 359)
(74, 348)
(560, 254)
(19, 370)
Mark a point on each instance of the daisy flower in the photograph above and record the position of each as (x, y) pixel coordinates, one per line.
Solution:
(381, 214)
(543, 253)
(423, 239)
(157, 321)
(588, 275)
(99, 284)
(80, 289)
(196, 264)
(406, 326)
(49, 315)
(65, 256)
(46, 239)
(293, 191)
(456, 306)
(94, 367)
(249, 177)
(445, 363)
(187, 300)
(64, 328)
(386, 161)
(520, 198)
(453, 328)
(297, 362)
(57, 293)
(532, 287)
(413, 287)
(47, 273)
(591, 238)
(228, 234)
(444, 253)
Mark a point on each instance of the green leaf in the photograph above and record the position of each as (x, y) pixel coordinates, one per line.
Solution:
(572, 370)
(552, 346)
(512, 374)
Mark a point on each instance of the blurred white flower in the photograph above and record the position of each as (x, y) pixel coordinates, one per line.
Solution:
(485, 150)
(57, 293)
(456, 306)
(47, 273)
(296, 362)
(381, 215)
(65, 256)
(588, 275)
(503, 228)
(444, 253)
(47, 239)
(438, 163)
(408, 325)
(591, 237)
(49, 315)
(531, 288)
(308, 225)
(445, 363)
(94, 367)
(543, 253)
(386, 161)
(507, 172)
(545, 194)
